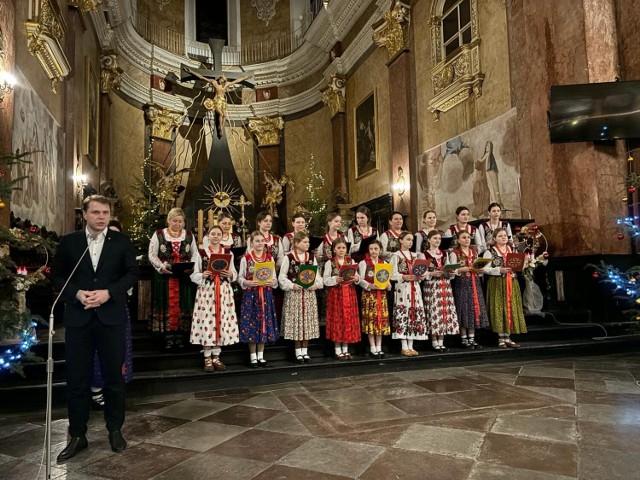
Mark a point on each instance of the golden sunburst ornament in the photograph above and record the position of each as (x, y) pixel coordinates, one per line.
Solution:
(220, 197)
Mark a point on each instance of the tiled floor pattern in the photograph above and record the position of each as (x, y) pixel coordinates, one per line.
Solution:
(555, 419)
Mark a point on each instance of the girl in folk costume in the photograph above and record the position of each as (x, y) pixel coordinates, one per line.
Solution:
(171, 296)
(299, 225)
(300, 310)
(390, 239)
(214, 315)
(375, 310)
(272, 242)
(462, 225)
(438, 297)
(408, 312)
(362, 230)
(343, 321)
(334, 221)
(258, 321)
(429, 221)
(504, 301)
(487, 228)
(467, 292)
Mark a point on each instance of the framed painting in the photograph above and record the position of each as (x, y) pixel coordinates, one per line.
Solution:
(366, 135)
(91, 103)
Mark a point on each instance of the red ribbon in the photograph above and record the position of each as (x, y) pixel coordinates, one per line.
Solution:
(216, 282)
(509, 289)
(379, 308)
(476, 303)
(261, 295)
(174, 304)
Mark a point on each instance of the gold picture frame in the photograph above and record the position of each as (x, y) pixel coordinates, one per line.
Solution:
(365, 136)
(91, 112)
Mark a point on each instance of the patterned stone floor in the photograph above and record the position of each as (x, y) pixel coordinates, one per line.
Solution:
(555, 419)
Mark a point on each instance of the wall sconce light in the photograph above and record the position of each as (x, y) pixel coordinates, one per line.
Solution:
(401, 184)
(7, 82)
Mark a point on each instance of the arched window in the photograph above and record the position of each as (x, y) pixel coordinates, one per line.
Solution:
(456, 25)
(455, 52)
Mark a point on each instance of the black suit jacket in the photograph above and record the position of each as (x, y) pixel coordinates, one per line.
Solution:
(117, 272)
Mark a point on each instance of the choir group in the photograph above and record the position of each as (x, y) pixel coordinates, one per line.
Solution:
(438, 286)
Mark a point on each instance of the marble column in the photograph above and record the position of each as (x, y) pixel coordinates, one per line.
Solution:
(269, 158)
(392, 33)
(572, 189)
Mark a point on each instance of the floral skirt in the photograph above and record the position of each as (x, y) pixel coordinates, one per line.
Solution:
(258, 321)
(472, 311)
(375, 313)
(409, 320)
(300, 315)
(204, 328)
(440, 308)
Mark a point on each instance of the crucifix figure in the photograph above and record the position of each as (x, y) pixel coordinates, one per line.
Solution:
(219, 102)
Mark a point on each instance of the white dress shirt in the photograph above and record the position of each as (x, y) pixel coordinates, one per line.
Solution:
(95, 246)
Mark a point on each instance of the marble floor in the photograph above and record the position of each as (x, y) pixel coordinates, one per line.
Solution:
(553, 419)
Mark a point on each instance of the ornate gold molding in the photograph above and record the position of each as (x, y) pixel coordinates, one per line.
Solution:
(266, 129)
(45, 36)
(334, 95)
(456, 79)
(110, 73)
(392, 31)
(85, 6)
(162, 120)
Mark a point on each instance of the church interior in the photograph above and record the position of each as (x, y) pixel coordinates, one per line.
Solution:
(307, 107)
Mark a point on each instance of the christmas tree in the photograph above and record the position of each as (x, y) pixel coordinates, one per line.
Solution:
(17, 324)
(315, 208)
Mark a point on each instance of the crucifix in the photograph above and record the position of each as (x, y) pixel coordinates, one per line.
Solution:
(219, 82)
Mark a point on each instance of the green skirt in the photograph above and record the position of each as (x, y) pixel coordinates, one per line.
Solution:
(497, 302)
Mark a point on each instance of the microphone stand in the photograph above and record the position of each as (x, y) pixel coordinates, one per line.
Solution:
(50, 367)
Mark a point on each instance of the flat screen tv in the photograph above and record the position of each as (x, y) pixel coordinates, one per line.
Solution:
(594, 112)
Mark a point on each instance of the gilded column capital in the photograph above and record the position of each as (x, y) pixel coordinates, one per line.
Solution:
(333, 95)
(110, 73)
(266, 129)
(45, 36)
(392, 31)
(85, 6)
(162, 120)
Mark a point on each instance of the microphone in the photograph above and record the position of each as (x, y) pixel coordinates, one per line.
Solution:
(52, 332)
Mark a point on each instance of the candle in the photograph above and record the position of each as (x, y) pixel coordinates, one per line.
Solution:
(200, 226)
(210, 224)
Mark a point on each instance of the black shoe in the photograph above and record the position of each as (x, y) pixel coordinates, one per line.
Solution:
(306, 358)
(75, 445)
(299, 359)
(253, 364)
(380, 354)
(262, 362)
(117, 442)
(374, 355)
(474, 345)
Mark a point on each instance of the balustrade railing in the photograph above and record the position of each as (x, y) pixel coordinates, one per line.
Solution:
(250, 53)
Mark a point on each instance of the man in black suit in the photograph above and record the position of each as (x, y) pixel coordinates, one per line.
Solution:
(94, 318)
